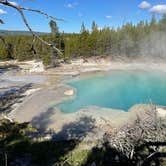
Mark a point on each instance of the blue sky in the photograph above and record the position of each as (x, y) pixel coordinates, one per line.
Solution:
(111, 13)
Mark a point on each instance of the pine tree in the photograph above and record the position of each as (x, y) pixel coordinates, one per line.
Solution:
(54, 28)
(94, 26)
(83, 29)
(153, 23)
(162, 23)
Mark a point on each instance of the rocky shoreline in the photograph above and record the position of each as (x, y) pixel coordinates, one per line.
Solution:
(39, 107)
(11, 96)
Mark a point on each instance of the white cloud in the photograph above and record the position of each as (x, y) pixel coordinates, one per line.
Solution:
(108, 17)
(71, 5)
(13, 3)
(144, 5)
(160, 9)
(2, 11)
(80, 14)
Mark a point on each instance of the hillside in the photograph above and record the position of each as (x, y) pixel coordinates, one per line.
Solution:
(8, 32)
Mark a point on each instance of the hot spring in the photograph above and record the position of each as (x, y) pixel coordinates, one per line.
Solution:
(117, 90)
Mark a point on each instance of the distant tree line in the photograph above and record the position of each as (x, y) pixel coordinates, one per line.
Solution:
(129, 41)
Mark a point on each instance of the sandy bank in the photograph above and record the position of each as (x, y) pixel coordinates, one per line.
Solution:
(40, 109)
(75, 67)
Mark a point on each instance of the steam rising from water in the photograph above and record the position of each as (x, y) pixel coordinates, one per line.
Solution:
(148, 47)
(154, 46)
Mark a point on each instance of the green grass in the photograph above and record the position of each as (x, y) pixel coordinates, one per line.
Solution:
(77, 157)
(51, 153)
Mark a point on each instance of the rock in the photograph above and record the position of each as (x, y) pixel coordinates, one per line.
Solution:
(69, 92)
(31, 91)
(161, 112)
(37, 67)
(47, 137)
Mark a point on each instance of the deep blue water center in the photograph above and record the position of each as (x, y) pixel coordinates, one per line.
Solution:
(117, 90)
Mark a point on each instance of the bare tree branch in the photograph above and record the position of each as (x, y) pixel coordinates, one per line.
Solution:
(42, 13)
(20, 11)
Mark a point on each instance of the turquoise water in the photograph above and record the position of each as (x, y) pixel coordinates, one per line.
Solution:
(118, 90)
